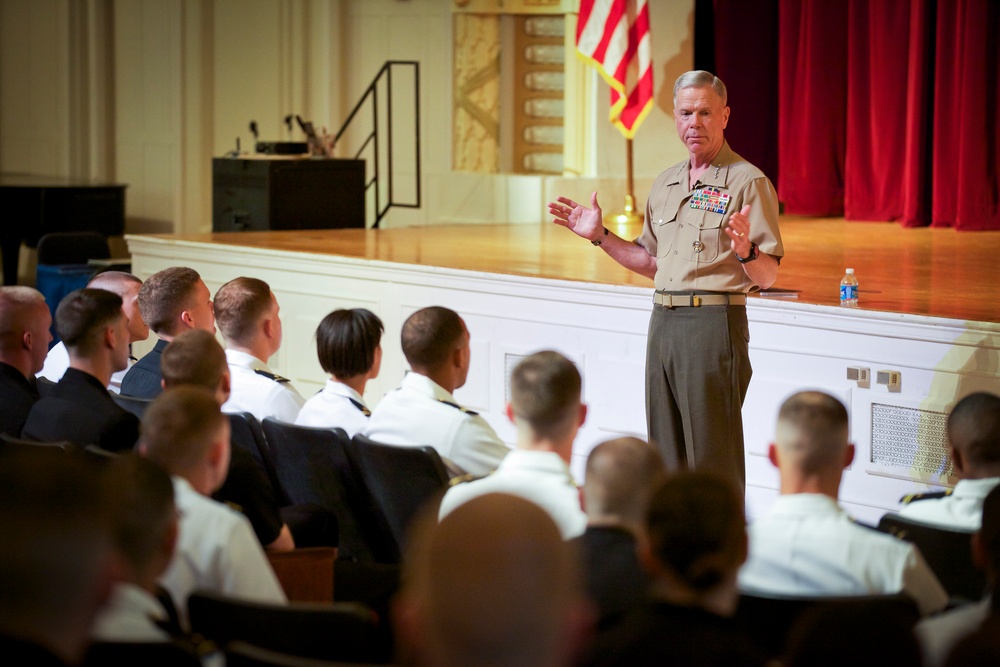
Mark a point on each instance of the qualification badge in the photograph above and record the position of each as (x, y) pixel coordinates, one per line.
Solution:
(710, 199)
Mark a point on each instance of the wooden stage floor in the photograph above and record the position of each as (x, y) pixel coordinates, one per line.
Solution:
(933, 272)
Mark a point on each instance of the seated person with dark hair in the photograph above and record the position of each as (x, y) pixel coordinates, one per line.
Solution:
(348, 343)
(24, 338)
(974, 442)
(195, 358)
(57, 560)
(79, 407)
(622, 475)
(697, 543)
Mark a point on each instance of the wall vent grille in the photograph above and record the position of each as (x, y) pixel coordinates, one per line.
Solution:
(910, 441)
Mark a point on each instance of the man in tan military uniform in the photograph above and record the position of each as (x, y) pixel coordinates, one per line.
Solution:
(710, 236)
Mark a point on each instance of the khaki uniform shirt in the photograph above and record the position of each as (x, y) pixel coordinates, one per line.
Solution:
(685, 229)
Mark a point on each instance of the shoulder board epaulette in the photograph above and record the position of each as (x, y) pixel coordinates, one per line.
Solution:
(360, 406)
(930, 495)
(459, 407)
(233, 506)
(272, 376)
(462, 479)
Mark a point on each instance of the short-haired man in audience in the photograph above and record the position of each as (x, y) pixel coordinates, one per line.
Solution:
(622, 475)
(806, 544)
(145, 531)
(171, 301)
(57, 561)
(127, 287)
(24, 339)
(974, 442)
(939, 634)
(246, 311)
(348, 344)
(493, 584)
(185, 433)
(79, 408)
(422, 411)
(545, 392)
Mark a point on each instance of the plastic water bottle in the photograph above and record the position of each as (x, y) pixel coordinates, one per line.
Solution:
(849, 289)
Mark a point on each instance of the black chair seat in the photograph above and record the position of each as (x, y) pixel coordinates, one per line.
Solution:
(947, 552)
(313, 468)
(339, 631)
(400, 480)
(246, 433)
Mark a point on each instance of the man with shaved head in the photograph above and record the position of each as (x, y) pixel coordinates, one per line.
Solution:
(24, 339)
(622, 475)
(492, 584)
(127, 287)
(806, 544)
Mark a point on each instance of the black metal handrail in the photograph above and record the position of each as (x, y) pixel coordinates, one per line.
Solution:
(371, 140)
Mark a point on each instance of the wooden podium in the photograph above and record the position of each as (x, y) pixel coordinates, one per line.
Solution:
(264, 192)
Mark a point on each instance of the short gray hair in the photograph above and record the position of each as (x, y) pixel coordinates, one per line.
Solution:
(699, 78)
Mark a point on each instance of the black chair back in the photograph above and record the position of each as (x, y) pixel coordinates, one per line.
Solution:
(133, 404)
(44, 386)
(147, 654)
(400, 480)
(339, 631)
(947, 552)
(767, 620)
(313, 468)
(247, 434)
(242, 654)
(72, 247)
(13, 442)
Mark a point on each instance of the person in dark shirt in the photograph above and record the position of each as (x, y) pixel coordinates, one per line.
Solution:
(697, 542)
(79, 408)
(171, 302)
(24, 342)
(621, 477)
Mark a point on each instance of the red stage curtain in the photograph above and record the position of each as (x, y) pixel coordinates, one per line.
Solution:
(966, 164)
(888, 110)
(812, 81)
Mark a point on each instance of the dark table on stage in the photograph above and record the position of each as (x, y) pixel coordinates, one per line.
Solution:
(34, 205)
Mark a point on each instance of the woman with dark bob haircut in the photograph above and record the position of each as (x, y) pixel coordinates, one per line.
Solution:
(348, 343)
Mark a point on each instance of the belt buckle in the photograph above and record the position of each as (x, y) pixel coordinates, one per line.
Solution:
(695, 301)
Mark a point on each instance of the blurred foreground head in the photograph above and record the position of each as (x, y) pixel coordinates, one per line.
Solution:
(492, 584)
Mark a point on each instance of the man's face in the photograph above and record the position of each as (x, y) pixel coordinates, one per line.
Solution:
(120, 356)
(201, 310)
(137, 328)
(41, 336)
(466, 356)
(700, 117)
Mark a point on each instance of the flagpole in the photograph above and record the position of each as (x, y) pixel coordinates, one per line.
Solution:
(629, 216)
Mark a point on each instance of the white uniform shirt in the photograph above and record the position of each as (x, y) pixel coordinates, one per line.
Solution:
(57, 361)
(962, 509)
(258, 394)
(217, 550)
(807, 545)
(335, 405)
(421, 412)
(541, 477)
(130, 615)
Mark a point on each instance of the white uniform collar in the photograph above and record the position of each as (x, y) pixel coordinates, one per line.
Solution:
(428, 387)
(244, 360)
(792, 504)
(341, 389)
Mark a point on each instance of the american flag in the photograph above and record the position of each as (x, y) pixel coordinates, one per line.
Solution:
(613, 36)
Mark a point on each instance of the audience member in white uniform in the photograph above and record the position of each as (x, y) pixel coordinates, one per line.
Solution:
(348, 344)
(806, 544)
(546, 409)
(184, 432)
(145, 535)
(171, 302)
(492, 585)
(974, 444)
(939, 634)
(422, 411)
(247, 314)
(127, 287)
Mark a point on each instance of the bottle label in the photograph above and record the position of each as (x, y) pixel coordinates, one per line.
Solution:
(848, 292)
